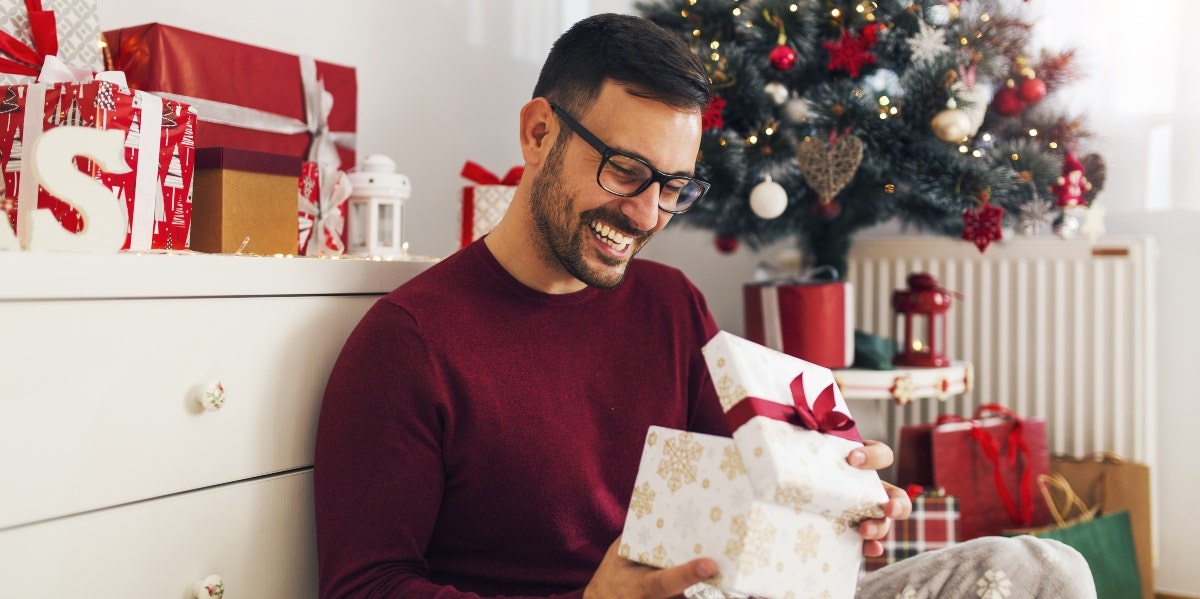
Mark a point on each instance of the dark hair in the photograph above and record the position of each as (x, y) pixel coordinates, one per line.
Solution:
(649, 60)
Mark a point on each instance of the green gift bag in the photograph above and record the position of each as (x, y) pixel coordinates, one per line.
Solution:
(1106, 542)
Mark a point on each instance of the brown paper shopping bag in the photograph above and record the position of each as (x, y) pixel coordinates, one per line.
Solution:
(1113, 484)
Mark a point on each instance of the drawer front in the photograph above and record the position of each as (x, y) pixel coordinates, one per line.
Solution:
(95, 405)
(258, 536)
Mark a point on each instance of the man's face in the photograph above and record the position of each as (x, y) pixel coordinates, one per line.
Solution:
(589, 232)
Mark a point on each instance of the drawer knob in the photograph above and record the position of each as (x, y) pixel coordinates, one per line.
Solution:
(211, 587)
(210, 395)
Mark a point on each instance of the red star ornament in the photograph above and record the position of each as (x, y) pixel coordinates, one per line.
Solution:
(850, 53)
(981, 225)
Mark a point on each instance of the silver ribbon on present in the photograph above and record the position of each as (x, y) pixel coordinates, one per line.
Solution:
(318, 103)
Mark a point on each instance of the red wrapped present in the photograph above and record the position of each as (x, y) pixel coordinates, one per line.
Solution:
(813, 321)
(932, 525)
(484, 203)
(989, 463)
(248, 97)
(159, 148)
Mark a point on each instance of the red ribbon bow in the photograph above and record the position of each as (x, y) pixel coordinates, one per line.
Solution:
(821, 417)
(1020, 515)
(44, 31)
(473, 171)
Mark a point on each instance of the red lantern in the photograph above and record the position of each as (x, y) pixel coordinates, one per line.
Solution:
(919, 325)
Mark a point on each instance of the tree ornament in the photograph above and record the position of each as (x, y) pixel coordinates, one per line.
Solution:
(712, 117)
(928, 43)
(779, 92)
(826, 211)
(849, 53)
(829, 168)
(981, 225)
(768, 199)
(797, 110)
(1032, 90)
(726, 244)
(782, 57)
(951, 125)
(1007, 102)
(1092, 226)
(1072, 184)
(1033, 216)
(1065, 225)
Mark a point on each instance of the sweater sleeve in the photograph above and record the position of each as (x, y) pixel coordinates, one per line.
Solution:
(378, 474)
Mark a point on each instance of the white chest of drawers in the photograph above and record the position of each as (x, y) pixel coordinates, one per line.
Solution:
(114, 481)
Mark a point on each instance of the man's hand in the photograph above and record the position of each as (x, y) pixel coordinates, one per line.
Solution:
(619, 578)
(874, 455)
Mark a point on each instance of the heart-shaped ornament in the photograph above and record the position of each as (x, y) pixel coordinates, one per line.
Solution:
(828, 168)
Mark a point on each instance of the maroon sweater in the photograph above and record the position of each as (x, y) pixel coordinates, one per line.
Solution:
(480, 437)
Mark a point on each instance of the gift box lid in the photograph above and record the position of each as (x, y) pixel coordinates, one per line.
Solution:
(253, 161)
(793, 429)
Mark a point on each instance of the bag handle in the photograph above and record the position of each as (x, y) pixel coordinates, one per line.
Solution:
(1071, 501)
(1020, 513)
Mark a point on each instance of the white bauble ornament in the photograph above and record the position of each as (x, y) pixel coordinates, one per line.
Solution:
(797, 110)
(1065, 226)
(951, 125)
(768, 199)
(779, 92)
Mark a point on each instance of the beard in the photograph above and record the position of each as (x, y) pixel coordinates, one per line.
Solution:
(564, 235)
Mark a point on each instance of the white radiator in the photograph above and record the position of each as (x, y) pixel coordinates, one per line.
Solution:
(1059, 329)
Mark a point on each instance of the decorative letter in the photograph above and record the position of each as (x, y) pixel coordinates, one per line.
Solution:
(53, 165)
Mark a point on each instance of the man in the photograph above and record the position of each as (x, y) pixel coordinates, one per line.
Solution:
(481, 431)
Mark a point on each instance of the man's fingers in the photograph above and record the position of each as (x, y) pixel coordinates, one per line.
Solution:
(672, 582)
(873, 455)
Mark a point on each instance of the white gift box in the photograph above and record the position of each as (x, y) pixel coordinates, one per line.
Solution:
(776, 506)
(78, 29)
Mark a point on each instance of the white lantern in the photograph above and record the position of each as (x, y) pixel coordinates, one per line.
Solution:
(375, 208)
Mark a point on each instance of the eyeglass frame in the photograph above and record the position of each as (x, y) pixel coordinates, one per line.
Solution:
(606, 152)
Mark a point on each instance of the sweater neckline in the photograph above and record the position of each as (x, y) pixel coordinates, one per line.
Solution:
(508, 280)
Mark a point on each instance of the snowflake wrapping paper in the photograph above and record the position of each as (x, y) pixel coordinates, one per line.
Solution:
(776, 506)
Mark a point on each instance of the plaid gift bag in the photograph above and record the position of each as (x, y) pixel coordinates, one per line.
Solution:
(933, 525)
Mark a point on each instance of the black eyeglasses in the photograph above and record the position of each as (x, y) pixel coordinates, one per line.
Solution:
(626, 176)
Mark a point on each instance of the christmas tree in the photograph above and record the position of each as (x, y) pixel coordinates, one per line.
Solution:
(831, 116)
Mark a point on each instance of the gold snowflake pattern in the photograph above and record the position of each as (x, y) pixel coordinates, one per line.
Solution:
(678, 465)
(657, 557)
(794, 495)
(807, 540)
(652, 440)
(751, 540)
(850, 517)
(903, 390)
(715, 513)
(731, 463)
(729, 392)
(642, 502)
(994, 584)
(624, 550)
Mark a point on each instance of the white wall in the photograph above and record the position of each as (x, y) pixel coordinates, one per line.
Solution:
(441, 82)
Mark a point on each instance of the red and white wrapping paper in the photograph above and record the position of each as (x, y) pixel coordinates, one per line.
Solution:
(811, 321)
(159, 147)
(484, 203)
(322, 210)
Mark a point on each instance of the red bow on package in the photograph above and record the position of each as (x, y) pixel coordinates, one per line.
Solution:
(44, 31)
(475, 172)
(821, 417)
(1022, 515)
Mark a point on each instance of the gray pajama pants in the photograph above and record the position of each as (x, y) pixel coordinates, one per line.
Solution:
(986, 568)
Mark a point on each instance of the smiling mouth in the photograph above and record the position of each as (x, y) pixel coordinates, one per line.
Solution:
(610, 236)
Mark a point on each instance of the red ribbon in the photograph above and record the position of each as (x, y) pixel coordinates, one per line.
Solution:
(44, 31)
(821, 417)
(473, 171)
(1023, 515)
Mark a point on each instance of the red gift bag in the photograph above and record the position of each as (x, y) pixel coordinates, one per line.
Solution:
(990, 462)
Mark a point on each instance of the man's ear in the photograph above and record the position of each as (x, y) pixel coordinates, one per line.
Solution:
(539, 129)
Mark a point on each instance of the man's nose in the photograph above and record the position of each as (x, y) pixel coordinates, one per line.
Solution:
(642, 208)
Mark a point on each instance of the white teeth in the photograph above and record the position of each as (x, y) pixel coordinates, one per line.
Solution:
(610, 236)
